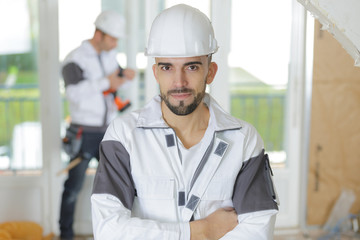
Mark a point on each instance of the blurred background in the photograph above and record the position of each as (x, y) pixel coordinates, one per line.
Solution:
(279, 69)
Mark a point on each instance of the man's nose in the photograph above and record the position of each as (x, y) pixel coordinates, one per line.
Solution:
(180, 79)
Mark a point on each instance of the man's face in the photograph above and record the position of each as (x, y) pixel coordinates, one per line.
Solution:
(108, 42)
(183, 81)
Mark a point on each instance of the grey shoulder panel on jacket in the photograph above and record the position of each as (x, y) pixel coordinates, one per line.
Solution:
(113, 175)
(254, 190)
(72, 73)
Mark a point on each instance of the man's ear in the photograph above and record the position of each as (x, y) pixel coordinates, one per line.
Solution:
(213, 67)
(98, 35)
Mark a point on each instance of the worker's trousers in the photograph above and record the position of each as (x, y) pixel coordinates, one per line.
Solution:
(74, 182)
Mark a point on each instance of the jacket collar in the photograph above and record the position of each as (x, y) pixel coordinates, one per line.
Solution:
(151, 116)
(89, 48)
(91, 51)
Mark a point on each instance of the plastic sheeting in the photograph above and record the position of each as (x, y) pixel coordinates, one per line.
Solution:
(341, 18)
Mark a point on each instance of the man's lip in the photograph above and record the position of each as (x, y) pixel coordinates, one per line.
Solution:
(180, 96)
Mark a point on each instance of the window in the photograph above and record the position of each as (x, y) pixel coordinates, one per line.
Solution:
(20, 138)
(258, 61)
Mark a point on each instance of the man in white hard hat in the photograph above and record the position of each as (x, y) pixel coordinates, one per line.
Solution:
(92, 75)
(181, 167)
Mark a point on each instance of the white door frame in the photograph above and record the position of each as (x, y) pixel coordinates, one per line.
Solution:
(50, 114)
(291, 180)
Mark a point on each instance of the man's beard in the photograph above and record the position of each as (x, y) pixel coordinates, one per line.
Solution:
(182, 110)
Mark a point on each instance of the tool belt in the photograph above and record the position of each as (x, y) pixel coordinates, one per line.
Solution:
(71, 143)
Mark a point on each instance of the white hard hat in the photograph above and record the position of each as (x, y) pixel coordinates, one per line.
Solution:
(181, 31)
(111, 23)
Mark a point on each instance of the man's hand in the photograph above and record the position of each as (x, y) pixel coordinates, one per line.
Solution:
(115, 81)
(128, 73)
(214, 226)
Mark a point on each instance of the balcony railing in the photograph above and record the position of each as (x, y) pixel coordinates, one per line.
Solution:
(266, 113)
(18, 113)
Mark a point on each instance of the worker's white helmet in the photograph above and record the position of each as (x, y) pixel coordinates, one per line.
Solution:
(111, 23)
(181, 31)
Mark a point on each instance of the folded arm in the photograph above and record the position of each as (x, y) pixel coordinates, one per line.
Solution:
(254, 200)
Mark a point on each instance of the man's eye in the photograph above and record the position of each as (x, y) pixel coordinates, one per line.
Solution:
(193, 67)
(165, 68)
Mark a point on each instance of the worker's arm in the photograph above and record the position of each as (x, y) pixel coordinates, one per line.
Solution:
(78, 87)
(255, 225)
(215, 225)
(254, 200)
(111, 221)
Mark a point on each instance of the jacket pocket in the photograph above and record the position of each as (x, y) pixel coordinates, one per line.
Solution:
(155, 187)
(155, 198)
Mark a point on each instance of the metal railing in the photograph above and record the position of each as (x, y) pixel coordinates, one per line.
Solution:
(264, 111)
(16, 110)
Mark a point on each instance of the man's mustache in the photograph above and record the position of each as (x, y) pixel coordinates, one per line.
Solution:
(180, 90)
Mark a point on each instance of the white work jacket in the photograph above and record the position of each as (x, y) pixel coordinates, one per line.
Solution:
(140, 191)
(84, 72)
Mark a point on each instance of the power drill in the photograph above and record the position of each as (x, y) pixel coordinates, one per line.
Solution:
(121, 105)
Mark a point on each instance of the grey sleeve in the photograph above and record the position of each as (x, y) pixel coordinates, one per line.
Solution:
(253, 189)
(72, 74)
(113, 175)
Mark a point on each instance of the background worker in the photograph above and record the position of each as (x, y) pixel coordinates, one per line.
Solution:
(181, 167)
(90, 73)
